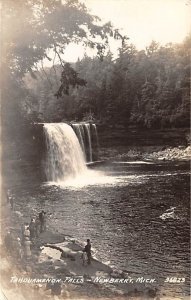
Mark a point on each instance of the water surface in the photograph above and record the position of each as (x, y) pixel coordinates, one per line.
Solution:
(138, 221)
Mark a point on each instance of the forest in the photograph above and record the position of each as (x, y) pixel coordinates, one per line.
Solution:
(148, 88)
(143, 89)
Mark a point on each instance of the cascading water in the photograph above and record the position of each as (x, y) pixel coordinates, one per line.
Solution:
(88, 138)
(64, 159)
(87, 128)
(96, 137)
(79, 130)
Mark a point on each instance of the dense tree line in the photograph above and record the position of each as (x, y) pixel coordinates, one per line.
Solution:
(32, 31)
(148, 88)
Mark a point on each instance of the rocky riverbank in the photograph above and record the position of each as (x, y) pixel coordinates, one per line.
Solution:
(146, 153)
(58, 257)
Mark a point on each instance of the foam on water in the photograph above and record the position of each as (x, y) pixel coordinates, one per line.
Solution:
(100, 178)
(94, 178)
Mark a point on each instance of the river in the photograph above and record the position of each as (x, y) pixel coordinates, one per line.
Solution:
(136, 215)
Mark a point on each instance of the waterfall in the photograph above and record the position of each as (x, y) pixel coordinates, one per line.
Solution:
(87, 128)
(79, 130)
(88, 139)
(64, 159)
(96, 138)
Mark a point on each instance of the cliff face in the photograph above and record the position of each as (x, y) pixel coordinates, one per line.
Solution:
(22, 156)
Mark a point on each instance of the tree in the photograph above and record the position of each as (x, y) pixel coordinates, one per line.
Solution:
(32, 27)
(134, 89)
(69, 77)
(31, 30)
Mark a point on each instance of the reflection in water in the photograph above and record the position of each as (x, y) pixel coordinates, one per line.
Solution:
(123, 219)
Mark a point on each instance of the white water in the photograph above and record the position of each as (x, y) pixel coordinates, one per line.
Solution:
(87, 127)
(97, 140)
(64, 159)
(79, 130)
(83, 132)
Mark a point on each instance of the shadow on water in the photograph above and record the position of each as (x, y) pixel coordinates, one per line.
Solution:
(139, 224)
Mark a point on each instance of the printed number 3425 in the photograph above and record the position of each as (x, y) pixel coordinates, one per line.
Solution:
(174, 280)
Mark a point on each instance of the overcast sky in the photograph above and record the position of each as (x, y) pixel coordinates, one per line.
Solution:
(142, 21)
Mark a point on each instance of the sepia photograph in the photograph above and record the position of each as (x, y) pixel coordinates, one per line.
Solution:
(95, 149)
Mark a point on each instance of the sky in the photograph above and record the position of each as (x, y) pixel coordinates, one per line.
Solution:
(141, 20)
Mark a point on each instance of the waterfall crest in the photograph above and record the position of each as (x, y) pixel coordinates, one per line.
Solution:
(64, 159)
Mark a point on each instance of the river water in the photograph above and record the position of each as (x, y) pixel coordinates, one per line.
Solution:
(136, 215)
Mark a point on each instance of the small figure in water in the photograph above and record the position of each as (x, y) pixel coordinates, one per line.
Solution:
(87, 249)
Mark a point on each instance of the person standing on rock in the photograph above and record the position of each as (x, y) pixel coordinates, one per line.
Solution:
(27, 248)
(32, 229)
(8, 242)
(18, 249)
(10, 199)
(12, 202)
(87, 249)
(37, 227)
(42, 220)
(8, 195)
(26, 231)
(56, 289)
